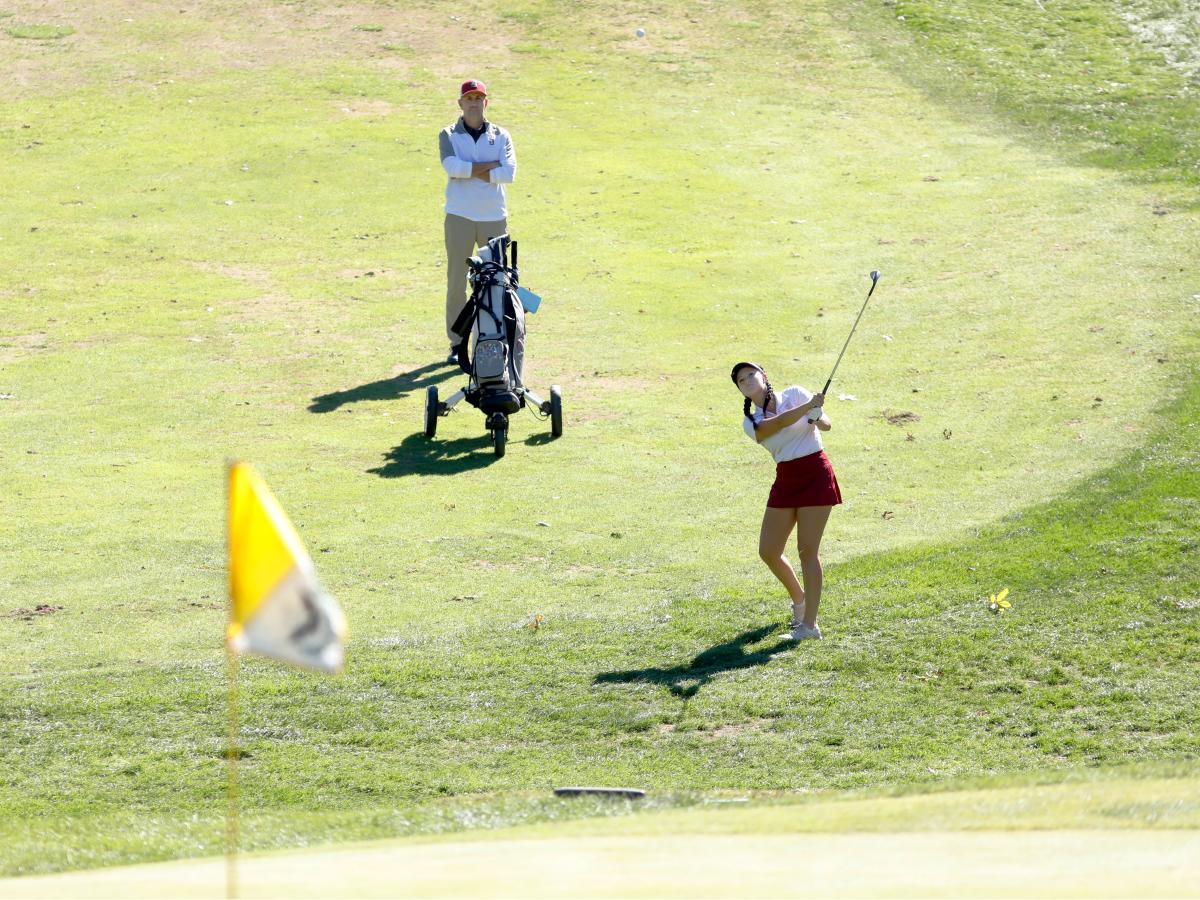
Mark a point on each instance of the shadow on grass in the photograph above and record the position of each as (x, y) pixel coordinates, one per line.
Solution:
(387, 388)
(419, 455)
(685, 680)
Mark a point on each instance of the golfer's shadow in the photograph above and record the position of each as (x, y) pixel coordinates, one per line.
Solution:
(387, 388)
(685, 680)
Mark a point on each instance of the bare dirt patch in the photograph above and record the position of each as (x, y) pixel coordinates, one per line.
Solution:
(900, 419)
(572, 571)
(258, 277)
(42, 609)
(733, 730)
(269, 303)
(36, 340)
(366, 109)
(22, 345)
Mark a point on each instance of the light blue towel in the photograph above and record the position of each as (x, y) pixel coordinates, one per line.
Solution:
(529, 299)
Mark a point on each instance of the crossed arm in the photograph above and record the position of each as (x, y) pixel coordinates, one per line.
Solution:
(775, 424)
(482, 170)
(457, 167)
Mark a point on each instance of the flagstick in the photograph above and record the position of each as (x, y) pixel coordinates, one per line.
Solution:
(231, 795)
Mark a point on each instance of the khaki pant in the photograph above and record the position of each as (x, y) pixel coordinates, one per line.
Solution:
(462, 237)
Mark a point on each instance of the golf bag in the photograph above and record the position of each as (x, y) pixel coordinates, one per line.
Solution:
(491, 329)
(491, 350)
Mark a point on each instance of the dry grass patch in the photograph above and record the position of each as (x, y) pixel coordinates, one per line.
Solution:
(260, 278)
(738, 729)
(366, 109)
(21, 346)
(155, 43)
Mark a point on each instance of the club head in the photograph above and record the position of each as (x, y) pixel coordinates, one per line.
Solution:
(874, 276)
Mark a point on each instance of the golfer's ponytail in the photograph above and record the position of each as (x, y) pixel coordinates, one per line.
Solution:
(766, 402)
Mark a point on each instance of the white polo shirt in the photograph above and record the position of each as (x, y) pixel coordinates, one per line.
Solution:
(479, 201)
(794, 441)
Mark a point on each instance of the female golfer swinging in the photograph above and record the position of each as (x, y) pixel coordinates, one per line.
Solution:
(805, 488)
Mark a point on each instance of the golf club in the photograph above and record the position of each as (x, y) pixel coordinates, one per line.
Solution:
(815, 414)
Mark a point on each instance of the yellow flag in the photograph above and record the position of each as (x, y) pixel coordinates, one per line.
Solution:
(277, 607)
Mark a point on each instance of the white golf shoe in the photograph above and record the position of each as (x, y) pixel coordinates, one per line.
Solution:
(802, 632)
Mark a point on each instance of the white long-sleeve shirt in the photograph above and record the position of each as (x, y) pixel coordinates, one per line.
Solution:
(471, 198)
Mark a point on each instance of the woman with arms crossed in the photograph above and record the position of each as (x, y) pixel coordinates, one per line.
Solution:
(805, 488)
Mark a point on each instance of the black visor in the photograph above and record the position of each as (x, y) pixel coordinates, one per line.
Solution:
(740, 366)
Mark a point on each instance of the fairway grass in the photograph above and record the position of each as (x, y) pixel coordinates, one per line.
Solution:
(222, 240)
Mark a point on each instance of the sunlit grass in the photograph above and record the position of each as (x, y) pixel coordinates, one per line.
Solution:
(589, 609)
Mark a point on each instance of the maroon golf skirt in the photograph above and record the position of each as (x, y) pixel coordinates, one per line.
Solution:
(805, 481)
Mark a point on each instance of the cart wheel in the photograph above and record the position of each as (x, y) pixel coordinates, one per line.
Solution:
(431, 411)
(555, 410)
(499, 438)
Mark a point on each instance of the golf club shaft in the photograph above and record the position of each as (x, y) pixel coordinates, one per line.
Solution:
(874, 281)
(829, 381)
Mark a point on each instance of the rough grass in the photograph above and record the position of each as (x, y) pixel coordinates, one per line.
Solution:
(1112, 82)
(211, 262)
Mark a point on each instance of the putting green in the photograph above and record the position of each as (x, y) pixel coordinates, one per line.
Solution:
(920, 845)
(937, 864)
